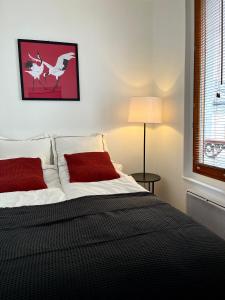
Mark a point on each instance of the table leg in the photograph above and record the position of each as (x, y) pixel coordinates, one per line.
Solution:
(153, 188)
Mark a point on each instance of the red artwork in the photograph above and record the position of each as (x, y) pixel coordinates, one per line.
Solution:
(48, 70)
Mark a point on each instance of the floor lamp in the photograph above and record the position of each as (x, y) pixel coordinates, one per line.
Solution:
(146, 110)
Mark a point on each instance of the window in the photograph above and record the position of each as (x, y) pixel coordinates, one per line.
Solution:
(209, 89)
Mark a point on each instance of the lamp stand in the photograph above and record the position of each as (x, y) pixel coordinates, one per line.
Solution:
(144, 149)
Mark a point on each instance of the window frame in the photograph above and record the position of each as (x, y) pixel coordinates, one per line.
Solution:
(200, 168)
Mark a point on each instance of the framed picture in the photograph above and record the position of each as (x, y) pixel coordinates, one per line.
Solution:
(48, 70)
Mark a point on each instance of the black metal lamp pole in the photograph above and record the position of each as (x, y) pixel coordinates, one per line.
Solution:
(144, 149)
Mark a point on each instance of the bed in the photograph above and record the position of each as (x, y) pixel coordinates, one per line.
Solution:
(104, 240)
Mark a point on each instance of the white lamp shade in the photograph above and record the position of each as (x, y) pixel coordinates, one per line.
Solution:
(145, 110)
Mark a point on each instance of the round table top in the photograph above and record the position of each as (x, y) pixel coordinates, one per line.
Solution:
(147, 177)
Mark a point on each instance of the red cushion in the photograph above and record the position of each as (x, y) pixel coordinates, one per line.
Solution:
(21, 174)
(90, 166)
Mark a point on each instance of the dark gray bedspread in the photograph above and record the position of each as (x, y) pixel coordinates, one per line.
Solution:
(106, 247)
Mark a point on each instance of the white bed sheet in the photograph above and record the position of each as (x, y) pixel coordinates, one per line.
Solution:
(122, 185)
(62, 190)
(51, 195)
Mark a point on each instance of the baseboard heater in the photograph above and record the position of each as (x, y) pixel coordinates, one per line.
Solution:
(207, 213)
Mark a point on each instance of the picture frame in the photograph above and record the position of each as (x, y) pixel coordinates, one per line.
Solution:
(48, 70)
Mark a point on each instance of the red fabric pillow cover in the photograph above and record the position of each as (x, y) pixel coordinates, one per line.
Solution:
(90, 166)
(21, 174)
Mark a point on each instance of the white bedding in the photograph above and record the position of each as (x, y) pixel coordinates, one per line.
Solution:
(60, 189)
(53, 194)
(57, 192)
(75, 144)
(124, 184)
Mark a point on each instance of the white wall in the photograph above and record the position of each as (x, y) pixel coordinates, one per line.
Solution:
(172, 63)
(126, 48)
(168, 60)
(205, 186)
(114, 62)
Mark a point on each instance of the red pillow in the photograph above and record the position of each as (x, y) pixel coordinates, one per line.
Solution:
(21, 174)
(90, 166)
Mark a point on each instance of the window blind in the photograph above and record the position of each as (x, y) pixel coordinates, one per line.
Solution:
(209, 89)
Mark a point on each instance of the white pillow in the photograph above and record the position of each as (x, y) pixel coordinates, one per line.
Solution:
(40, 146)
(51, 176)
(118, 166)
(77, 144)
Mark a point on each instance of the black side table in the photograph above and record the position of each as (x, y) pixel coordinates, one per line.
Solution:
(147, 178)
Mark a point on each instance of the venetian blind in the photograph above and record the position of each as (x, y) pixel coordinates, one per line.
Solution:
(209, 89)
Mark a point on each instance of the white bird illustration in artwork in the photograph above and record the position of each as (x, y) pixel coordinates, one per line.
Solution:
(33, 68)
(60, 67)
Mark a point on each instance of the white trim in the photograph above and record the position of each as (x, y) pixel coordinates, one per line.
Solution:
(189, 88)
(204, 185)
